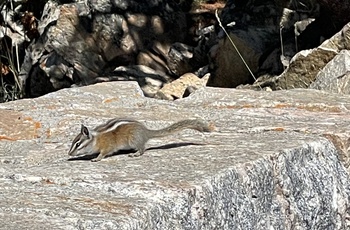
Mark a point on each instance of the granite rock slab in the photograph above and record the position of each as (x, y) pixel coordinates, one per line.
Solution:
(276, 160)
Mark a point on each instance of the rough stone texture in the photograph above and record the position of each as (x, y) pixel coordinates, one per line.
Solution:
(304, 67)
(84, 40)
(268, 164)
(177, 88)
(306, 64)
(335, 76)
(79, 42)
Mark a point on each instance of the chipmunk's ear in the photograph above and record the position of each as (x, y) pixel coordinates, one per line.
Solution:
(84, 130)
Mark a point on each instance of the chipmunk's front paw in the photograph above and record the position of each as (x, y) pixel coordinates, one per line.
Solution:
(95, 160)
(137, 154)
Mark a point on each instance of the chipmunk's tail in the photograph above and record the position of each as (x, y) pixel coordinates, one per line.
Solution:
(198, 125)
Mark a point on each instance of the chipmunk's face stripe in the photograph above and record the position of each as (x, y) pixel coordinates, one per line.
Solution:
(112, 125)
(76, 147)
(73, 147)
(79, 142)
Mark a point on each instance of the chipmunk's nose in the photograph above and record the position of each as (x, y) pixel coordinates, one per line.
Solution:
(71, 151)
(74, 148)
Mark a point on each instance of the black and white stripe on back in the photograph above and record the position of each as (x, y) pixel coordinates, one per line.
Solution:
(113, 124)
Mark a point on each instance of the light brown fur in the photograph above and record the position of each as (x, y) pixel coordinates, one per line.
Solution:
(107, 142)
(126, 134)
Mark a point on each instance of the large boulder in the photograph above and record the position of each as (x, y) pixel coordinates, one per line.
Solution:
(335, 76)
(267, 165)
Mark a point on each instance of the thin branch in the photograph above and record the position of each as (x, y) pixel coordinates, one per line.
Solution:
(233, 44)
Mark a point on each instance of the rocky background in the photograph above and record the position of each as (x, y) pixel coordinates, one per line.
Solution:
(50, 45)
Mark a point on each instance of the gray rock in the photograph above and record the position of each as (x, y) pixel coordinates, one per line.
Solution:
(267, 165)
(307, 64)
(304, 67)
(334, 77)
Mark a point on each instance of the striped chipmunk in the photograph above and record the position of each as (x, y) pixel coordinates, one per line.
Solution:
(124, 134)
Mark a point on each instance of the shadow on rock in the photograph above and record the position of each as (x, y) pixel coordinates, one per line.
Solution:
(129, 151)
(174, 145)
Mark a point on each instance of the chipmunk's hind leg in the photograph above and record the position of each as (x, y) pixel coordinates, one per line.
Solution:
(138, 142)
(140, 151)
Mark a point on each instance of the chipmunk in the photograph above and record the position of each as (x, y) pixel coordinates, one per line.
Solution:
(122, 134)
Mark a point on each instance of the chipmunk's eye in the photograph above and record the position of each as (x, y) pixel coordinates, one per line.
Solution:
(77, 144)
